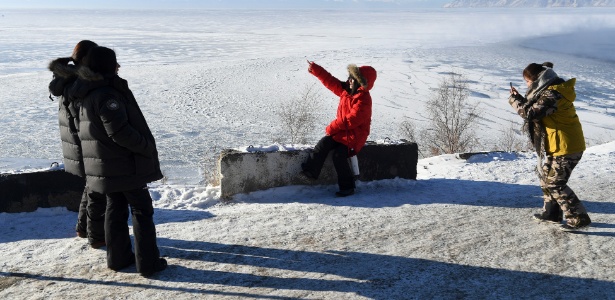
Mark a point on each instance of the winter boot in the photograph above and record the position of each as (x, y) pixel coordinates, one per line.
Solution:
(160, 265)
(552, 213)
(81, 232)
(582, 221)
(98, 244)
(305, 171)
(344, 193)
(546, 218)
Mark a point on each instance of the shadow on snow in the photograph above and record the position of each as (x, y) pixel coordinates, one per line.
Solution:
(61, 226)
(375, 276)
(398, 192)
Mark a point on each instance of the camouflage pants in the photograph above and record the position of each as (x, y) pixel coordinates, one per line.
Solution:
(554, 183)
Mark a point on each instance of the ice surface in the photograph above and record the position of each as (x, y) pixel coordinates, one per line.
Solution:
(208, 80)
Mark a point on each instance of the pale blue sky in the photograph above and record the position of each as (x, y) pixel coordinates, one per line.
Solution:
(221, 4)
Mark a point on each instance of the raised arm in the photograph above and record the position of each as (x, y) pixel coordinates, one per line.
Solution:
(333, 84)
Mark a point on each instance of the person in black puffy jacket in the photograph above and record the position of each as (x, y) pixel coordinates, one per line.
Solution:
(120, 159)
(91, 216)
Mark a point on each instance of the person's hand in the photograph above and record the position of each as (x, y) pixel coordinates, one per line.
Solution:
(310, 64)
(513, 91)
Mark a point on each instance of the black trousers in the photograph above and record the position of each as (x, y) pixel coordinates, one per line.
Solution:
(82, 216)
(345, 178)
(91, 216)
(119, 248)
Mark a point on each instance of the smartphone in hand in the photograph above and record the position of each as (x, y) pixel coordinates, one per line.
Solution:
(513, 91)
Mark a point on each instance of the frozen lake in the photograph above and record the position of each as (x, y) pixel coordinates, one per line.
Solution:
(208, 80)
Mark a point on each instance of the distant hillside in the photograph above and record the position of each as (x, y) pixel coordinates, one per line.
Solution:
(531, 3)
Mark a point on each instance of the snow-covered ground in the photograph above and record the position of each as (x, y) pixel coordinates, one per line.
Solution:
(208, 80)
(463, 230)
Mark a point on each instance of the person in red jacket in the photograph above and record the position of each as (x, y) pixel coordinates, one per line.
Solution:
(345, 135)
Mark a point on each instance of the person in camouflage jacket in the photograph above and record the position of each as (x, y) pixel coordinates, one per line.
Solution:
(557, 136)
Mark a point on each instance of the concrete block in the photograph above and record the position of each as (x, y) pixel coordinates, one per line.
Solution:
(244, 172)
(26, 192)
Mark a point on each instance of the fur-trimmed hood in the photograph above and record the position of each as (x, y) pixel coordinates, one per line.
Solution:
(87, 80)
(61, 68)
(64, 74)
(87, 74)
(364, 75)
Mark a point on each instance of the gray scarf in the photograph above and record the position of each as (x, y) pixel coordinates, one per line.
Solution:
(545, 79)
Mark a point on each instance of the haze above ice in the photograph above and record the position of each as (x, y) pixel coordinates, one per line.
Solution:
(224, 4)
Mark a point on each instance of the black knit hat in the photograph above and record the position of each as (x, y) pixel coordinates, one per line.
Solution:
(101, 60)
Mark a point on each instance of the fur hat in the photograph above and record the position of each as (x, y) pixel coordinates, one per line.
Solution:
(364, 75)
(355, 73)
(101, 60)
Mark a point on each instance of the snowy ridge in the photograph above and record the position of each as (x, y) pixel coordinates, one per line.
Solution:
(530, 3)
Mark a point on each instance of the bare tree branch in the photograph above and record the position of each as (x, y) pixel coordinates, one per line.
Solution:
(451, 118)
(298, 115)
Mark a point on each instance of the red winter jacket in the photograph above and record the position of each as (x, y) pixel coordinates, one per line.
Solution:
(354, 112)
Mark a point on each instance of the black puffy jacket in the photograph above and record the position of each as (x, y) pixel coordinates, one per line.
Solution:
(119, 150)
(64, 75)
